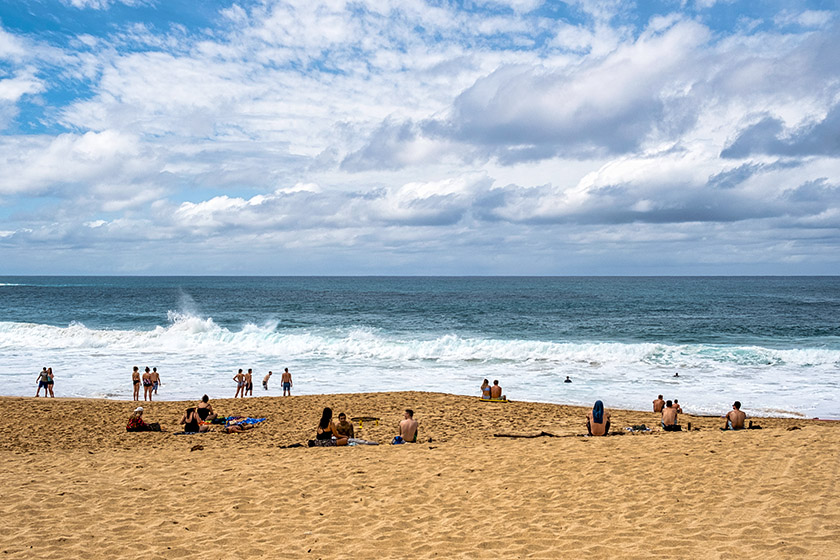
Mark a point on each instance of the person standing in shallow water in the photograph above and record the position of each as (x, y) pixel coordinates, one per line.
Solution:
(135, 380)
(42, 383)
(240, 384)
(249, 383)
(147, 384)
(155, 380)
(50, 382)
(286, 380)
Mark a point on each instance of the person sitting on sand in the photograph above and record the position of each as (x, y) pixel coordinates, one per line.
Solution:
(408, 427)
(265, 381)
(42, 383)
(677, 406)
(735, 418)
(147, 384)
(205, 410)
(240, 383)
(344, 427)
(658, 404)
(238, 428)
(135, 380)
(136, 423)
(485, 390)
(192, 422)
(326, 430)
(669, 418)
(496, 391)
(598, 420)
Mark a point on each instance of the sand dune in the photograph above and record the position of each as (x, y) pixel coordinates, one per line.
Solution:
(76, 485)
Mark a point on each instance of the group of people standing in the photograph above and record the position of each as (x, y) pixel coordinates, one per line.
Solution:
(245, 382)
(150, 380)
(45, 382)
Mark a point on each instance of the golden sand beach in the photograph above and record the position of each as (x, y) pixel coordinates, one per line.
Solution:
(76, 485)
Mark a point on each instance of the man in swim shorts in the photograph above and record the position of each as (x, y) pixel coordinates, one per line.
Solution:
(408, 427)
(669, 418)
(155, 380)
(240, 384)
(249, 383)
(286, 380)
(265, 381)
(735, 418)
(42, 383)
(658, 404)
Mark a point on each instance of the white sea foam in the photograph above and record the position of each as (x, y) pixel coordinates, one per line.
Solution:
(196, 355)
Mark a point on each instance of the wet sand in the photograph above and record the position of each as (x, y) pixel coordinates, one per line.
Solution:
(76, 485)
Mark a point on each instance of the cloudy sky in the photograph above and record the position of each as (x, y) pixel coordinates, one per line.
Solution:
(419, 137)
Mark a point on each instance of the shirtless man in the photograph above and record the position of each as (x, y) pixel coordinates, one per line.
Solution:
(286, 380)
(249, 383)
(735, 418)
(344, 427)
(658, 404)
(42, 383)
(155, 380)
(135, 379)
(240, 384)
(265, 381)
(677, 406)
(408, 427)
(495, 390)
(147, 384)
(669, 418)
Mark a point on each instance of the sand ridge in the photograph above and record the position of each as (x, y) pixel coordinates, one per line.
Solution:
(75, 484)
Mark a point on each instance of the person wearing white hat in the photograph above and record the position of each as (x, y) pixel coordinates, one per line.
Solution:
(136, 423)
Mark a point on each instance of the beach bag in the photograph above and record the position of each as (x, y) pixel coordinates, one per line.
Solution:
(155, 427)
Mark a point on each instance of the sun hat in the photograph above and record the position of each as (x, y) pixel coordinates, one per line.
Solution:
(138, 409)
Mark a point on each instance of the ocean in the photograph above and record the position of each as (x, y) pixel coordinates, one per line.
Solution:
(771, 342)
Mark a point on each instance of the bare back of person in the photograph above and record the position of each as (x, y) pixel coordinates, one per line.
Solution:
(658, 404)
(408, 429)
(669, 416)
(595, 428)
(736, 419)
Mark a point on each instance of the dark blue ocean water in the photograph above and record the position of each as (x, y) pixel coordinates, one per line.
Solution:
(776, 339)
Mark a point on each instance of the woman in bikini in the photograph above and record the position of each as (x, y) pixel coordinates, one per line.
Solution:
(147, 384)
(192, 422)
(485, 390)
(205, 410)
(326, 430)
(135, 379)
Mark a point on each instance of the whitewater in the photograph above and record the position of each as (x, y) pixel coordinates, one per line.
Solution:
(357, 335)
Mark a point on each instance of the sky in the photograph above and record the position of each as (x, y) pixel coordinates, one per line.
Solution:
(411, 137)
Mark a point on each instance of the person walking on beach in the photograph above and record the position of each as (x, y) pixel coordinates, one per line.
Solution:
(286, 379)
(147, 384)
(669, 418)
(135, 380)
(265, 381)
(240, 384)
(598, 420)
(42, 383)
(658, 404)
(50, 382)
(485, 390)
(249, 383)
(155, 380)
(735, 418)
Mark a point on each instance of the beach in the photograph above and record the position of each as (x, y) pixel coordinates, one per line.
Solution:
(75, 484)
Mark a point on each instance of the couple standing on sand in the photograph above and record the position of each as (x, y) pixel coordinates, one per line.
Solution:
(46, 380)
(150, 379)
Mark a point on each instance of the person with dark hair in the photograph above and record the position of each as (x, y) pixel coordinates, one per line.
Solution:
(326, 431)
(205, 410)
(677, 406)
(155, 380)
(598, 420)
(735, 418)
(496, 391)
(42, 383)
(249, 383)
(658, 404)
(344, 427)
(286, 380)
(408, 427)
(669, 418)
(192, 422)
(240, 383)
(485, 390)
(135, 380)
(147, 384)
(265, 381)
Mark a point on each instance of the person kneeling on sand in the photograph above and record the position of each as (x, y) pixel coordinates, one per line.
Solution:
(735, 418)
(408, 428)
(326, 430)
(136, 423)
(669, 418)
(598, 420)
